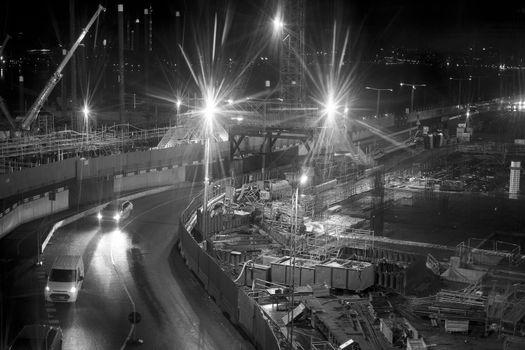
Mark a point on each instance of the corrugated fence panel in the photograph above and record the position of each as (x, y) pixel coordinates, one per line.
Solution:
(246, 311)
(214, 281)
(229, 300)
(259, 330)
(271, 341)
(203, 262)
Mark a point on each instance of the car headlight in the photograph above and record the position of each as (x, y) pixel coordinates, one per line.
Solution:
(117, 217)
(47, 288)
(99, 216)
(73, 289)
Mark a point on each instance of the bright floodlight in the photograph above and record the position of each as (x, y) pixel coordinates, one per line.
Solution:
(303, 179)
(179, 102)
(330, 108)
(210, 109)
(85, 110)
(277, 24)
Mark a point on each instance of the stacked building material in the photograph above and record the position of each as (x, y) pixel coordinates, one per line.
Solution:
(453, 305)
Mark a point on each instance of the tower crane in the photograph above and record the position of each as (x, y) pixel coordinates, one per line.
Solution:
(55, 78)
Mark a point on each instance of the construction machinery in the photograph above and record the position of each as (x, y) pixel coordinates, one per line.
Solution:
(3, 107)
(55, 78)
(4, 43)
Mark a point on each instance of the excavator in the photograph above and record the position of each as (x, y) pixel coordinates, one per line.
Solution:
(32, 114)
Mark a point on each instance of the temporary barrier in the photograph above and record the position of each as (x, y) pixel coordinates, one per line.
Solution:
(241, 310)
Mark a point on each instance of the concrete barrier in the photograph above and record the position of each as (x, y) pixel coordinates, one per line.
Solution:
(32, 208)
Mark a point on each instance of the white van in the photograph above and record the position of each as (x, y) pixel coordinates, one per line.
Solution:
(65, 279)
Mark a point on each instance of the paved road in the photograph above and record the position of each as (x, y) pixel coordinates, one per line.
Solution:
(135, 263)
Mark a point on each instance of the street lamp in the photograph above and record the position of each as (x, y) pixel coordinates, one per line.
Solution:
(378, 96)
(412, 93)
(330, 108)
(303, 179)
(85, 111)
(209, 110)
(459, 87)
(277, 24)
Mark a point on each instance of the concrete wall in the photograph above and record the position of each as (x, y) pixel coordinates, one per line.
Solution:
(151, 178)
(93, 190)
(33, 208)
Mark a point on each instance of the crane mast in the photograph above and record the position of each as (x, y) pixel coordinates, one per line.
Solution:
(55, 78)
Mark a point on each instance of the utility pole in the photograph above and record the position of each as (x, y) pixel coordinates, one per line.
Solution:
(121, 60)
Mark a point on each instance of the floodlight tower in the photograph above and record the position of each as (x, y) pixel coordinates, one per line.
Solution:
(291, 51)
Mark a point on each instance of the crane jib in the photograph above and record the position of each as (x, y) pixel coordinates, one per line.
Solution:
(39, 102)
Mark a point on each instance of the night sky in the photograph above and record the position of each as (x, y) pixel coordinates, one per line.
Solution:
(439, 25)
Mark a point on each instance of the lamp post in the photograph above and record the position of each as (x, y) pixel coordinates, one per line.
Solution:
(177, 108)
(85, 111)
(210, 108)
(378, 96)
(459, 87)
(413, 86)
(303, 179)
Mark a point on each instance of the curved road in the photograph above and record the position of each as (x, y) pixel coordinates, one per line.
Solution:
(134, 264)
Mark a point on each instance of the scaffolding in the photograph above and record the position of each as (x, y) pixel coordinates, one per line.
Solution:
(29, 151)
(488, 252)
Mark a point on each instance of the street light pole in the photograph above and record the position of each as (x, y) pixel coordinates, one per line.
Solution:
(378, 96)
(85, 111)
(459, 87)
(209, 111)
(413, 86)
(302, 181)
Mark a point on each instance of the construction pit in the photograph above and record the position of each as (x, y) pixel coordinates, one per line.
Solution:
(447, 263)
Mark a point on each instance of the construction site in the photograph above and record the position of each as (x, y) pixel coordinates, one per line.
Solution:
(391, 231)
(372, 258)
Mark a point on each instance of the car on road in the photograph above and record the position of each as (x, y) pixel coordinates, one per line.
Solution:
(38, 337)
(115, 211)
(65, 279)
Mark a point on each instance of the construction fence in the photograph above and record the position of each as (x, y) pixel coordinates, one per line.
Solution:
(241, 310)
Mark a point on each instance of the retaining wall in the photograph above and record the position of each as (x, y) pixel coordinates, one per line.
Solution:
(34, 178)
(148, 178)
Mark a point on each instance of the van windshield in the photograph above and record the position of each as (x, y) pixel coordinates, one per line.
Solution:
(59, 275)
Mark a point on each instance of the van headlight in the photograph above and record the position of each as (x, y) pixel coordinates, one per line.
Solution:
(117, 217)
(99, 216)
(47, 288)
(73, 289)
